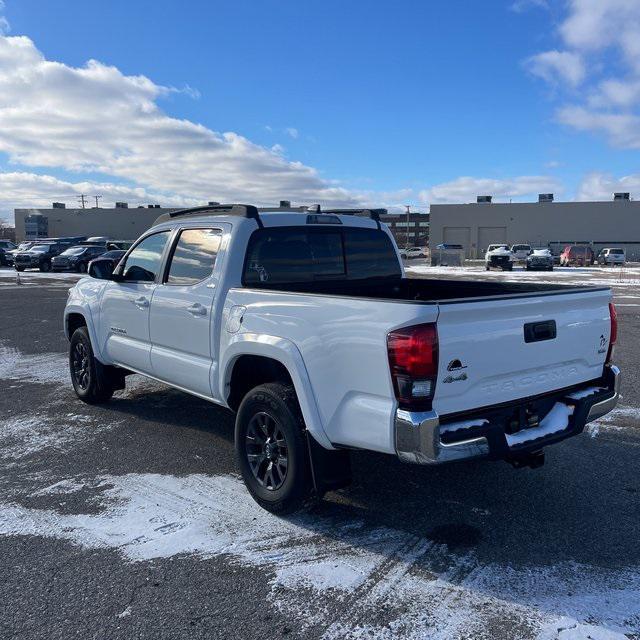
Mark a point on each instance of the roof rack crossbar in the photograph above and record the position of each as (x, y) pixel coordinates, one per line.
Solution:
(240, 210)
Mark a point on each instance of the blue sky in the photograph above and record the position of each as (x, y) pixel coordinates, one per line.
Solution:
(408, 101)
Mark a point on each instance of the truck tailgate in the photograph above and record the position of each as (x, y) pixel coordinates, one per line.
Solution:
(504, 349)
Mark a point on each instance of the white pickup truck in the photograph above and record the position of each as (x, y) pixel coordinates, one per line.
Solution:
(305, 325)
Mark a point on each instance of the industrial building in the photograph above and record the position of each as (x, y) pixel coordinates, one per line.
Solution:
(545, 223)
(124, 223)
(119, 223)
(409, 230)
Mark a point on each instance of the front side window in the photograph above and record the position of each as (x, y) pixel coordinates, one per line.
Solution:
(194, 256)
(143, 262)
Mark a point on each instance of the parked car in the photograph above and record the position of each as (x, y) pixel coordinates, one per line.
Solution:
(38, 256)
(521, 252)
(577, 255)
(540, 259)
(499, 256)
(412, 252)
(107, 262)
(6, 257)
(612, 256)
(77, 258)
(307, 328)
(447, 255)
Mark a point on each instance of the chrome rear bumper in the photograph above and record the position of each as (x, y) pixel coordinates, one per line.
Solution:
(418, 441)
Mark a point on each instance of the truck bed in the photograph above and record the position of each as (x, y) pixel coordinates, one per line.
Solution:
(427, 290)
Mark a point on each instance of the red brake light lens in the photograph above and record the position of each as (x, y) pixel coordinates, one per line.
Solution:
(413, 359)
(613, 337)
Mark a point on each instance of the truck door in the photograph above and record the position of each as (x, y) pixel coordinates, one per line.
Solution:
(124, 322)
(181, 319)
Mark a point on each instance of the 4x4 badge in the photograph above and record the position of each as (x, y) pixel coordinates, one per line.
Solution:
(603, 344)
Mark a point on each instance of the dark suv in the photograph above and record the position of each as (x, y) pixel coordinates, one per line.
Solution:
(77, 258)
(6, 257)
(39, 256)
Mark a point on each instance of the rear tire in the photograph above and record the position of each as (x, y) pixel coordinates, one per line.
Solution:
(21, 269)
(271, 449)
(90, 378)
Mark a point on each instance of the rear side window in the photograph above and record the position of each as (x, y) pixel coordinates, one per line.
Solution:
(194, 256)
(288, 255)
(143, 262)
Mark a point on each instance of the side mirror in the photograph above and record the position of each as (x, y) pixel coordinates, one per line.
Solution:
(101, 269)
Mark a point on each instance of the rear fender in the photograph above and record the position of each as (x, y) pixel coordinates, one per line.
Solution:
(285, 352)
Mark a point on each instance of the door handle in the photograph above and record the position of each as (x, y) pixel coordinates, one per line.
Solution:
(141, 302)
(197, 310)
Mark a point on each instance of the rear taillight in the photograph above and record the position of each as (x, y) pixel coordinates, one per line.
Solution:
(613, 337)
(413, 359)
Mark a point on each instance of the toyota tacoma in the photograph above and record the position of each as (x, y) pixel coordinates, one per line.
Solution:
(305, 326)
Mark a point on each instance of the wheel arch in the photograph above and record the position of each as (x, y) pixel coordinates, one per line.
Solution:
(251, 359)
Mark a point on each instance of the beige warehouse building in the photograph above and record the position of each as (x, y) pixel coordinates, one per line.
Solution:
(541, 224)
(120, 223)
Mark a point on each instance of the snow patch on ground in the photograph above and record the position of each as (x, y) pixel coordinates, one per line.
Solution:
(24, 435)
(37, 367)
(334, 572)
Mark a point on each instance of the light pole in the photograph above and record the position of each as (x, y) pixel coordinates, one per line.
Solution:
(408, 212)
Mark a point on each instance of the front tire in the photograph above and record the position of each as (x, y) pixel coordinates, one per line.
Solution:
(45, 267)
(271, 449)
(90, 378)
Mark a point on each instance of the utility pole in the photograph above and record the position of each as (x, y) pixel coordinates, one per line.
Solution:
(82, 198)
(97, 198)
(408, 212)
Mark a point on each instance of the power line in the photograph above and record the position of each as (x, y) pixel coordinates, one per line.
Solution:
(82, 198)
(97, 198)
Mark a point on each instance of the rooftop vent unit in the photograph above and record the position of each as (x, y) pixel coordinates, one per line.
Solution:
(545, 197)
(624, 195)
(122, 205)
(484, 199)
(58, 205)
(211, 203)
(285, 204)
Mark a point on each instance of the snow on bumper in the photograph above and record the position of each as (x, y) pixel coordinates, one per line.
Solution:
(423, 438)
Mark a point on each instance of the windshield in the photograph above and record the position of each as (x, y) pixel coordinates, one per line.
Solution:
(541, 252)
(617, 252)
(40, 248)
(113, 254)
(23, 246)
(74, 251)
(521, 247)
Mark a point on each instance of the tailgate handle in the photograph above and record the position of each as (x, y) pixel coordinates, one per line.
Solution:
(539, 331)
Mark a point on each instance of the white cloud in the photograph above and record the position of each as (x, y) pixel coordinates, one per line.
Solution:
(95, 118)
(602, 186)
(21, 189)
(621, 129)
(292, 131)
(597, 36)
(465, 189)
(520, 6)
(555, 66)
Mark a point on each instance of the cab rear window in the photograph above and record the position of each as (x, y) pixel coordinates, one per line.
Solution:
(288, 255)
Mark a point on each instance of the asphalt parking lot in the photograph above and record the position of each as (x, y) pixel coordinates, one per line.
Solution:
(129, 521)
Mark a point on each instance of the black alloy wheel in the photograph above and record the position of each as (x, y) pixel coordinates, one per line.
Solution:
(80, 366)
(271, 449)
(267, 451)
